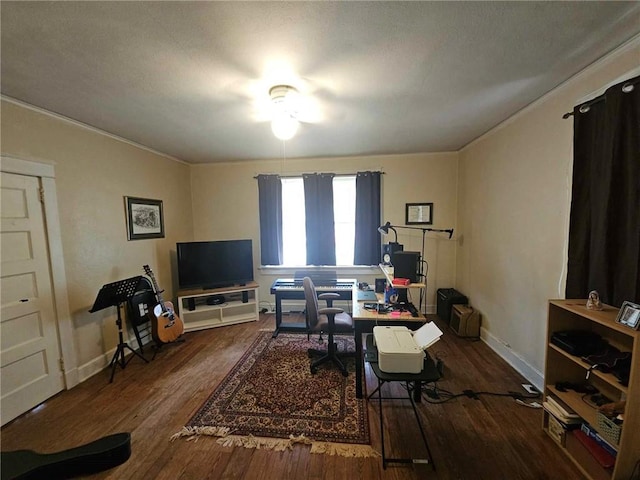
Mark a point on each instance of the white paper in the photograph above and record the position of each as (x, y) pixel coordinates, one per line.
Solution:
(427, 335)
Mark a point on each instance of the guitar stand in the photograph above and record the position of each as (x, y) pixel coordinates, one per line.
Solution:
(114, 294)
(158, 345)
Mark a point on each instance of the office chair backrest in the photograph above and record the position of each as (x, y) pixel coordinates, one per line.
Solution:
(311, 298)
(141, 304)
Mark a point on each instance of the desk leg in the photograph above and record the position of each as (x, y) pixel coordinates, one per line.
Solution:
(359, 360)
(417, 391)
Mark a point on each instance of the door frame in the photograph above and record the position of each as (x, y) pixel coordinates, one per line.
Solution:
(46, 173)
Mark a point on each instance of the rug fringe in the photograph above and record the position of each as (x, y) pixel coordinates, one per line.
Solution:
(249, 441)
(193, 433)
(276, 444)
(344, 449)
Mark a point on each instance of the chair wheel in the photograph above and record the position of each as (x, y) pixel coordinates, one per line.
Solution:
(314, 370)
(345, 373)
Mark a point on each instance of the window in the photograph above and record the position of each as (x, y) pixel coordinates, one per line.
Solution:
(293, 220)
(294, 237)
(344, 214)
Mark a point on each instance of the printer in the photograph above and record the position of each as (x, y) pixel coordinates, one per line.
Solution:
(401, 350)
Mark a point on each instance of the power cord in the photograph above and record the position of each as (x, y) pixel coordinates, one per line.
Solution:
(435, 395)
(269, 307)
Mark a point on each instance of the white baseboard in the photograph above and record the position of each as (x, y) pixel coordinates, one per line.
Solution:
(101, 362)
(535, 377)
(95, 366)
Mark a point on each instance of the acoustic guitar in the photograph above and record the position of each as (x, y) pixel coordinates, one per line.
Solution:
(167, 326)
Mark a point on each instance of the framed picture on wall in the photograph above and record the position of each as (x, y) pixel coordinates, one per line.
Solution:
(419, 214)
(144, 218)
(629, 315)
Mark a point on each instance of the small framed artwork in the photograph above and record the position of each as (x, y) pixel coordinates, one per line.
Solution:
(629, 315)
(419, 214)
(144, 218)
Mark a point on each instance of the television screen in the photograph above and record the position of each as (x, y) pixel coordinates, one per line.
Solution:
(214, 264)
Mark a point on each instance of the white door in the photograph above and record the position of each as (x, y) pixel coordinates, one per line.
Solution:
(29, 353)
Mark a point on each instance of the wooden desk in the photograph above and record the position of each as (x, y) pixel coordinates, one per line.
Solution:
(365, 320)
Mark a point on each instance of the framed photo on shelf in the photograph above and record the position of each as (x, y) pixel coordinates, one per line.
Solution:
(419, 214)
(144, 218)
(629, 315)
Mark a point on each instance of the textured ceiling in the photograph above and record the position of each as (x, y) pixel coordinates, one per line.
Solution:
(191, 79)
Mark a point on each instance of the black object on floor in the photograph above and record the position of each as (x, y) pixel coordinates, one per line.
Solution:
(446, 298)
(102, 454)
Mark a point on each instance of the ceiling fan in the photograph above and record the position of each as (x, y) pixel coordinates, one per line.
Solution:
(286, 102)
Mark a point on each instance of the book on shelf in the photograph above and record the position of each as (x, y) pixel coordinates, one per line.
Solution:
(561, 412)
(603, 457)
(592, 433)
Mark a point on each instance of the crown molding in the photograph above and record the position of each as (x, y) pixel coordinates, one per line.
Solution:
(589, 70)
(85, 126)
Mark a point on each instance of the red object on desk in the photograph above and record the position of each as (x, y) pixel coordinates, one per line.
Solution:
(401, 281)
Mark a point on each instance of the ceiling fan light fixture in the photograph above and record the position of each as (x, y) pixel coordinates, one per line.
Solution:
(284, 123)
(284, 126)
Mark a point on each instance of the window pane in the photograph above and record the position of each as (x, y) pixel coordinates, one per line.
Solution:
(344, 214)
(294, 238)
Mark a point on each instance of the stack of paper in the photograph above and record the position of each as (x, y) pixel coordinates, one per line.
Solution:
(562, 413)
(427, 335)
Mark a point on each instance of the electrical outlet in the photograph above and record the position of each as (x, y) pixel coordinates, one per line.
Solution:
(530, 388)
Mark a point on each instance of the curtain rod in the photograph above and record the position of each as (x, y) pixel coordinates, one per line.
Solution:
(627, 87)
(294, 175)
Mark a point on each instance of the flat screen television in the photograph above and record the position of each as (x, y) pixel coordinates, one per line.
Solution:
(214, 264)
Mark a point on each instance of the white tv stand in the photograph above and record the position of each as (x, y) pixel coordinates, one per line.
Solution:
(197, 314)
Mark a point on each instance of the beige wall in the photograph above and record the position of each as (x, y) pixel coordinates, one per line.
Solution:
(95, 171)
(513, 211)
(507, 196)
(225, 199)
(93, 174)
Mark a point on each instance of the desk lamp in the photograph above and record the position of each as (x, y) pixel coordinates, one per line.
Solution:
(389, 249)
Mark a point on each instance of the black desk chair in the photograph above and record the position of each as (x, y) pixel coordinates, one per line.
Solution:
(140, 309)
(428, 374)
(327, 320)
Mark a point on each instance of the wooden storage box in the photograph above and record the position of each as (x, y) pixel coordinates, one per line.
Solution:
(556, 430)
(465, 321)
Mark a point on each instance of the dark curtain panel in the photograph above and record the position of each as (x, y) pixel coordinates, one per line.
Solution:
(270, 206)
(367, 238)
(320, 228)
(604, 227)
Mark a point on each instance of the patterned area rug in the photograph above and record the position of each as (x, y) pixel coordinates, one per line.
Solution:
(270, 399)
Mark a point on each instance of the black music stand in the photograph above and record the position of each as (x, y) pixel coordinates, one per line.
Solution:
(115, 294)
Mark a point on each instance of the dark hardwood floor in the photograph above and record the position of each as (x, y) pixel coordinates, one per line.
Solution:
(491, 437)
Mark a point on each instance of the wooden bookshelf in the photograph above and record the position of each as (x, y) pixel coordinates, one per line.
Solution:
(560, 366)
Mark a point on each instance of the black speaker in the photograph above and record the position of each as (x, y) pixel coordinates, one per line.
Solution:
(191, 304)
(380, 284)
(245, 297)
(388, 250)
(447, 297)
(406, 265)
